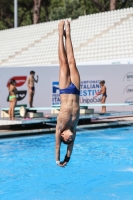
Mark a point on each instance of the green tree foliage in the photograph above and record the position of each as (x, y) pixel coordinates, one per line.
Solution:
(25, 13)
(6, 14)
(88, 7)
(53, 10)
(70, 9)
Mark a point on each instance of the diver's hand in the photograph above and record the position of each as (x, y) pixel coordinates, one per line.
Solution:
(58, 163)
(63, 164)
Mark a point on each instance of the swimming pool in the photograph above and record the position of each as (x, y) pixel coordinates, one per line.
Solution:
(101, 167)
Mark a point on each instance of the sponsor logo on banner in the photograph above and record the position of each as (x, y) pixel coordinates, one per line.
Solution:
(88, 89)
(128, 76)
(20, 80)
(21, 95)
(55, 93)
(129, 100)
(128, 89)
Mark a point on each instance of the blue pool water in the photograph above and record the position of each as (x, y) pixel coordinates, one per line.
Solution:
(101, 167)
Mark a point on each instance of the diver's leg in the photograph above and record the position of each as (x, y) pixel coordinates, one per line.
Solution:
(32, 97)
(74, 74)
(64, 76)
(103, 102)
(104, 107)
(14, 101)
(10, 110)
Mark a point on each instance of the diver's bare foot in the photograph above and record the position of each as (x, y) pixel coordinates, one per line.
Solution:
(61, 28)
(67, 27)
(13, 118)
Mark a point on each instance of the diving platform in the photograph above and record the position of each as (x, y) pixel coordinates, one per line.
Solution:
(25, 125)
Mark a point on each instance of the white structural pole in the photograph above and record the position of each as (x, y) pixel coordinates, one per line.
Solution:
(15, 13)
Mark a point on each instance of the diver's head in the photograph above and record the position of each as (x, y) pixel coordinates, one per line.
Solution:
(32, 73)
(13, 82)
(102, 83)
(67, 136)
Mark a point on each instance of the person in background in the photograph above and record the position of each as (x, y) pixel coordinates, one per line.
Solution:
(31, 87)
(12, 98)
(103, 92)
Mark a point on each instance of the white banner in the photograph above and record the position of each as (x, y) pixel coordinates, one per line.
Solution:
(88, 89)
(118, 80)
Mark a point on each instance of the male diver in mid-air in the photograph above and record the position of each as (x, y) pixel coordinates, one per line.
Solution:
(69, 84)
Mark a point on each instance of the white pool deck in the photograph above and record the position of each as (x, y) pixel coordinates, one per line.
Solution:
(23, 121)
